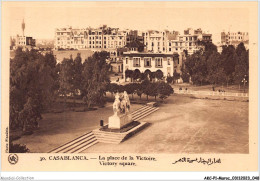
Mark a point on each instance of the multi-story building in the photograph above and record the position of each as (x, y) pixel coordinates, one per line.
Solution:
(95, 39)
(155, 41)
(68, 38)
(22, 41)
(135, 35)
(173, 42)
(148, 61)
(234, 38)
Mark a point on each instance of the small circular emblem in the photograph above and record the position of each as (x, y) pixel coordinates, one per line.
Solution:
(13, 159)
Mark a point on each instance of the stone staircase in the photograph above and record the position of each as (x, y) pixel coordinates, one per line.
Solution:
(77, 145)
(143, 112)
(93, 137)
(116, 138)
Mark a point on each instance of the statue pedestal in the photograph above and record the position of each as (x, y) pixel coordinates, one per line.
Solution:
(117, 122)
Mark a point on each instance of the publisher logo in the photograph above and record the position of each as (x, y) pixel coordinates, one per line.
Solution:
(13, 159)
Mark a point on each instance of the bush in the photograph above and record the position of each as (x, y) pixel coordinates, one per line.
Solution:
(18, 148)
(169, 79)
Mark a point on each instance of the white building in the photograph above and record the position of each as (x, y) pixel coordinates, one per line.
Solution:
(23, 42)
(98, 39)
(234, 38)
(172, 42)
(150, 62)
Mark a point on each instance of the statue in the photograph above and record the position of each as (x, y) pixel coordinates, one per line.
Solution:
(123, 104)
(116, 104)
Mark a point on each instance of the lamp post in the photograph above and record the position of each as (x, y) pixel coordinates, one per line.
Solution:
(244, 81)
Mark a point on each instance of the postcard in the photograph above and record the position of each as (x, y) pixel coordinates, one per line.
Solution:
(129, 86)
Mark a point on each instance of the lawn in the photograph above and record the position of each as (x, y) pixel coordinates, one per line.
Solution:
(181, 125)
(187, 125)
(59, 128)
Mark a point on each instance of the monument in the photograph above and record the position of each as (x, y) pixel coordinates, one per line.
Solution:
(122, 115)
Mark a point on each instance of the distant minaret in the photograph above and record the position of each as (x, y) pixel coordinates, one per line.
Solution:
(23, 26)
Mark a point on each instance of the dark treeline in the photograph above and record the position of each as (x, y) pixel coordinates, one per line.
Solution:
(36, 81)
(155, 89)
(207, 66)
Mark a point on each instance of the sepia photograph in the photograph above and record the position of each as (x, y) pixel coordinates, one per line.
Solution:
(134, 78)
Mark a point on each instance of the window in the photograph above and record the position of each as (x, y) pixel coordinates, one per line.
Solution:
(147, 62)
(158, 62)
(136, 62)
(170, 44)
(126, 60)
(176, 44)
(170, 49)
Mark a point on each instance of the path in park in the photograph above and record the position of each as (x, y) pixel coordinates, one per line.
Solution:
(186, 125)
(59, 128)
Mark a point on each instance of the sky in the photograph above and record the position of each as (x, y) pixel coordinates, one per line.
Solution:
(42, 19)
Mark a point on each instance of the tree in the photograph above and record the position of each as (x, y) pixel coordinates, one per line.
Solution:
(145, 87)
(33, 78)
(95, 79)
(229, 59)
(216, 73)
(185, 75)
(169, 79)
(66, 80)
(153, 89)
(140, 90)
(142, 76)
(242, 65)
(164, 90)
(77, 75)
(196, 66)
(131, 88)
(176, 75)
(112, 88)
(159, 74)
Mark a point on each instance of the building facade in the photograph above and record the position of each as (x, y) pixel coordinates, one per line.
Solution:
(173, 42)
(150, 62)
(23, 42)
(94, 39)
(234, 38)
